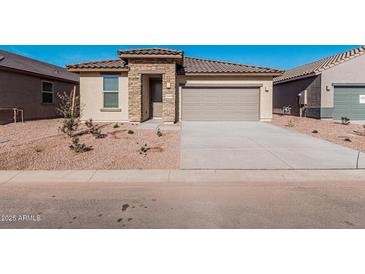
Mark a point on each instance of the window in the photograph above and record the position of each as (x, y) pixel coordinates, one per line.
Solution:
(111, 91)
(47, 92)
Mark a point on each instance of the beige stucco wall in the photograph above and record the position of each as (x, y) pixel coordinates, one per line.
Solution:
(91, 98)
(265, 90)
(352, 71)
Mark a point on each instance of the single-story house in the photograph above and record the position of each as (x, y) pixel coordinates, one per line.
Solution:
(32, 86)
(164, 84)
(330, 88)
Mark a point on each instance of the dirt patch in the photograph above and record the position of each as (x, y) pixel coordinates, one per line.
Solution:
(352, 135)
(40, 145)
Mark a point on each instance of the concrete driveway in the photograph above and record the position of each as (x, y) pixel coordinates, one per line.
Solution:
(258, 145)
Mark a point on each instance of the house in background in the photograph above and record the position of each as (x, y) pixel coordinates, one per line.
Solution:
(330, 88)
(32, 86)
(154, 83)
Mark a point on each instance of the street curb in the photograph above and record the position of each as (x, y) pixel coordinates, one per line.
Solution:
(179, 176)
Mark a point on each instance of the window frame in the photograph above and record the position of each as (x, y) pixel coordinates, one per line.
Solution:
(46, 91)
(110, 91)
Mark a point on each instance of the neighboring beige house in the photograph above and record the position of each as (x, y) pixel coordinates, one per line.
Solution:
(330, 88)
(164, 84)
(31, 86)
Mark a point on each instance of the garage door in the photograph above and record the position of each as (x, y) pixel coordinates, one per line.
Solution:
(220, 104)
(349, 102)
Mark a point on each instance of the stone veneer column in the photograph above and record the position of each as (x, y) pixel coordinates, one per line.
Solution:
(161, 66)
(134, 95)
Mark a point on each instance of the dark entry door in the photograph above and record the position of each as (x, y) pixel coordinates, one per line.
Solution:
(156, 98)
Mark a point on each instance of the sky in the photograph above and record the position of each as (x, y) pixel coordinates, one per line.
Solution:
(278, 56)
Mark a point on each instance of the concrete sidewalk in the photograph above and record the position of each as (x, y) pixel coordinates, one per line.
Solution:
(182, 199)
(176, 176)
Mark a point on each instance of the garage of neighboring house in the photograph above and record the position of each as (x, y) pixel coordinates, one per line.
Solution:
(333, 87)
(349, 101)
(221, 104)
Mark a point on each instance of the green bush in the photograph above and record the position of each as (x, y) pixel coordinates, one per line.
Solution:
(96, 132)
(345, 120)
(78, 147)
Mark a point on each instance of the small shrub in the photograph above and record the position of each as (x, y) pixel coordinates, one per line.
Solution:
(96, 132)
(38, 149)
(315, 131)
(345, 121)
(78, 147)
(115, 125)
(130, 131)
(158, 132)
(144, 149)
(347, 140)
(290, 123)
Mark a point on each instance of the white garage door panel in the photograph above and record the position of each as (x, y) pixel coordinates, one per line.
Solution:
(220, 104)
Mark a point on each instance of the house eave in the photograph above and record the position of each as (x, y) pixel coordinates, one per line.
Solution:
(97, 69)
(295, 78)
(44, 76)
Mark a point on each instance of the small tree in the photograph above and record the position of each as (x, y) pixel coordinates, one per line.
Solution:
(69, 111)
(69, 108)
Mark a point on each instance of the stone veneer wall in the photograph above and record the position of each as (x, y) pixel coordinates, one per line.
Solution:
(139, 66)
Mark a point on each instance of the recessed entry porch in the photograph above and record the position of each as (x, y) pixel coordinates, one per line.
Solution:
(152, 102)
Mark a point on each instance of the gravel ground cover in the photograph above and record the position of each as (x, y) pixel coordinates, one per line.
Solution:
(352, 135)
(41, 145)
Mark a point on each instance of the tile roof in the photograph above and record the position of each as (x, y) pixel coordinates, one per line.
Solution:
(150, 51)
(110, 64)
(198, 65)
(319, 66)
(190, 65)
(28, 65)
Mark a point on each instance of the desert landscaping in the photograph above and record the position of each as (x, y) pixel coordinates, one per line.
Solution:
(350, 135)
(42, 145)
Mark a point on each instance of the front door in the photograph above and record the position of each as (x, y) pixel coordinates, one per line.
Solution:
(156, 98)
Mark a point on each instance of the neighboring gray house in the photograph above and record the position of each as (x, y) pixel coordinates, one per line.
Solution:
(330, 88)
(31, 85)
